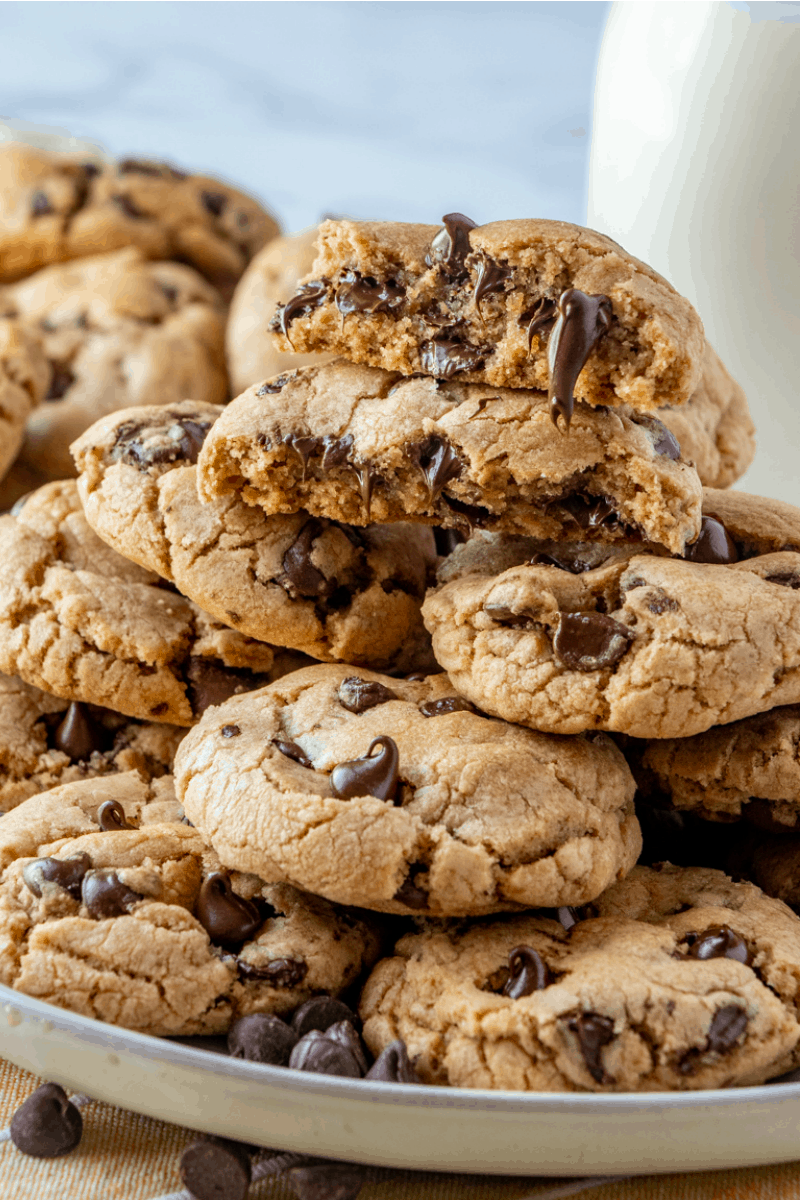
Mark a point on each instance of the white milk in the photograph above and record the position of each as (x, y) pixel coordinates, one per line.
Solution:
(695, 167)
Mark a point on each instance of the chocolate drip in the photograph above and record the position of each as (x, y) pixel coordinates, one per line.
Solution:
(357, 293)
(491, 277)
(67, 873)
(590, 641)
(228, 919)
(293, 751)
(582, 320)
(593, 1031)
(369, 776)
(438, 462)
(447, 704)
(357, 695)
(718, 941)
(528, 973)
(365, 474)
(450, 246)
(303, 447)
(105, 895)
(445, 357)
(111, 817)
(307, 298)
(79, 736)
(542, 318)
(714, 544)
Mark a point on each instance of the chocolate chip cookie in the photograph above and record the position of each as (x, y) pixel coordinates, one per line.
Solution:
(330, 590)
(117, 331)
(271, 279)
(46, 741)
(396, 795)
(566, 638)
(357, 444)
(521, 304)
(24, 379)
(679, 980)
(55, 207)
(121, 913)
(80, 621)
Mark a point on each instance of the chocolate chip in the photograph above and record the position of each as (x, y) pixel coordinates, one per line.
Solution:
(659, 602)
(216, 1169)
(369, 776)
(474, 516)
(326, 1180)
(409, 892)
(105, 895)
(590, 641)
(299, 570)
(137, 166)
(446, 541)
(40, 205)
(111, 817)
(280, 973)
(445, 357)
(591, 512)
(726, 1028)
(46, 1125)
(664, 440)
(357, 293)
(718, 941)
(320, 1012)
(336, 451)
(228, 919)
(785, 579)
(179, 441)
(78, 735)
(581, 322)
(357, 695)
(128, 206)
(307, 298)
(593, 1031)
(547, 560)
(344, 1033)
(450, 246)
(438, 462)
(261, 1037)
(528, 973)
(210, 682)
(214, 202)
(273, 386)
(714, 544)
(61, 381)
(67, 873)
(230, 731)
(315, 1051)
(541, 317)
(445, 705)
(502, 615)
(292, 750)
(393, 1065)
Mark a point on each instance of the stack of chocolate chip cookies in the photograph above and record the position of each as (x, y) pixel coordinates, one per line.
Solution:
(385, 648)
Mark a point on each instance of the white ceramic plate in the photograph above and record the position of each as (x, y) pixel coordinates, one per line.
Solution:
(430, 1128)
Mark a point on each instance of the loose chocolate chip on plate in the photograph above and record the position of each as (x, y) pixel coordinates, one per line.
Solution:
(445, 357)
(593, 1031)
(345, 1034)
(293, 751)
(228, 919)
(326, 1180)
(590, 641)
(105, 895)
(111, 817)
(393, 1065)
(67, 873)
(718, 941)
(320, 1012)
(528, 973)
(315, 1051)
(357, 695)
(445, 705)
(369, 776)
(581, 322)
(216, 1169)
(280, 973)
(714, 545)
(46, 1125)
(262, 1037)
(450, 246)
(79, 736)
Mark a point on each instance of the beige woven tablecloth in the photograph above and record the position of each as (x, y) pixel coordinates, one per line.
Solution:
(123, 1156)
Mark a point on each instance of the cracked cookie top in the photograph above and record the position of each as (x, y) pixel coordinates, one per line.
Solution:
(55, 207)
(330, 590)
(566, 638)
(521, 304)
(356, 443)
(110, 905)
(80, 621)
(396, 795)
(116, 330)
(673, 979)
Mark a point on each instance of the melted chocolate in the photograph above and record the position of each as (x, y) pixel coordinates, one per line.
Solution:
(506, 616)
(593, 1032)
(303, 577)
(79, 736)
(293, 751)
(664, 440)
(541, 319)
(111, 817)
(105, 895)
(726, 1028)
(210, 682)
(447, 704)
(718, 941)
(273, 386)
(336, 451)
(369, 776)
(409, 892)
(362, 294)
(357, 695)
(591, 512)
(228, 919)
(450, 246)
(280, 973)
(590, 641)
(67, 873)
(527, 973)
(305, 300)
(438, 462)
(581, 322)
(365, 474)
(491, 278)
(182, 440)
(445, 357)
(714, 545)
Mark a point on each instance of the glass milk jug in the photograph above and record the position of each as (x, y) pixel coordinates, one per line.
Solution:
(695, 168)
